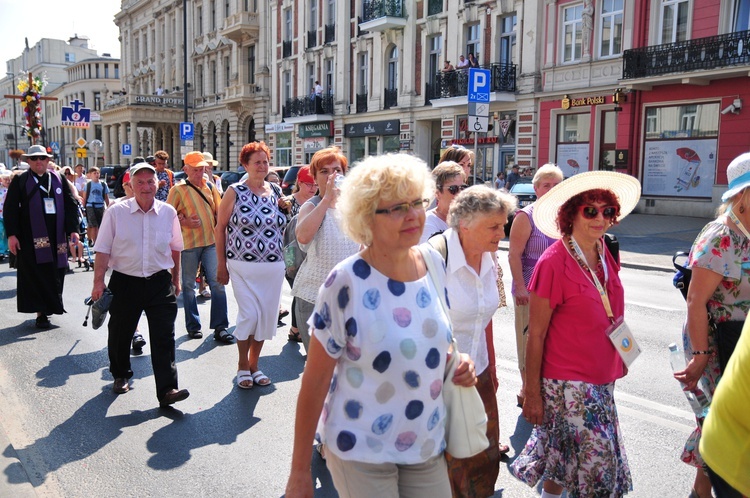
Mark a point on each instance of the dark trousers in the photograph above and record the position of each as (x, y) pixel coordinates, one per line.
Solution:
(131, 297)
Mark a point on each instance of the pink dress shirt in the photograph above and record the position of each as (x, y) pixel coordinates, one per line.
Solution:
(139, 243)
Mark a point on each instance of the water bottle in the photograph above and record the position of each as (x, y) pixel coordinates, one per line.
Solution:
(700, 397)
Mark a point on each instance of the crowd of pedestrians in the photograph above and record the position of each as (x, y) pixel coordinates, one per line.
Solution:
(387, 284)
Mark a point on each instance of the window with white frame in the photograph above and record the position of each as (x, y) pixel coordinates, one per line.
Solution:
(251, 64)
(329, 77)
(673, 19)
(313, 24)
(287, 82)
(436, 45)
(472, 40)
(741, 15)
(227, 74)
(392, 83)
(363, 73)
(610, 28)
(287, 24)
(507, 45)
(311, 77)
(331, 12)
(572, 32)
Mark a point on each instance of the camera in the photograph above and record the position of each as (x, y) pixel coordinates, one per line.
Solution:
(734, 107)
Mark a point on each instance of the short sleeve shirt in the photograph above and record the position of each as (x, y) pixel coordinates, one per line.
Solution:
(163, 192)
(97, 190)
(390, 340)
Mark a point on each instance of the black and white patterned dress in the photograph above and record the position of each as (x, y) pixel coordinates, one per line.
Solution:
(256, 226)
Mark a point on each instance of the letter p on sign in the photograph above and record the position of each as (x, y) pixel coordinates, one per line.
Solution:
(479, 85)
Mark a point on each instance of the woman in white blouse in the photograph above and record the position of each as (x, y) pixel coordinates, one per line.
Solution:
(476, 218)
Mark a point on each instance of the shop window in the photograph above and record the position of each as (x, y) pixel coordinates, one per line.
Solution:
(357, 149)
(610, 28)
(283, 149)
(680, 150)
(391, 143)
(673, 20)
(572, 32)
(573, 133)
(608, 142)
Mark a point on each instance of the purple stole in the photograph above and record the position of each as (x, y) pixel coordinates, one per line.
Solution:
(42, 248)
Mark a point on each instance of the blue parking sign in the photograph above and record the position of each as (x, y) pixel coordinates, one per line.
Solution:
(479, 85)
(127, 150)
(186, 131)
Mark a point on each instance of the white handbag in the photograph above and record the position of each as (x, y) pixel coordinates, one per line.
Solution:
(466, 419)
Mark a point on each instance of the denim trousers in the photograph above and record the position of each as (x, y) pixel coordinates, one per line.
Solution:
(206, 256)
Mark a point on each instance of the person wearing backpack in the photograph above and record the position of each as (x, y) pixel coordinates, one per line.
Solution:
(304, 189)
(95, 198)
(164, 175)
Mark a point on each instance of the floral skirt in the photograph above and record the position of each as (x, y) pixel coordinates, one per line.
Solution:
(579, 445)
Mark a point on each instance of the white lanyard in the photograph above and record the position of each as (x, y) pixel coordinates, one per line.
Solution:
(599, 287)
(739, 224)
(49, 184)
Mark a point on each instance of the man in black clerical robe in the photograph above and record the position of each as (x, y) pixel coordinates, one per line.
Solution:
(40, 212)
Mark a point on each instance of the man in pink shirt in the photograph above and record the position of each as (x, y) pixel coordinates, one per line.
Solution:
(140, 239)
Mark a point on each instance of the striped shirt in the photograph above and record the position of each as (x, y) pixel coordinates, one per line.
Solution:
(188, 202)
(535, 246)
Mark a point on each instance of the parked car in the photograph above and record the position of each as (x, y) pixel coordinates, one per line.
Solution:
(289, 179)
(179, 175)
(113, 176)
(279, 170)
(228, 178)
(523, 191)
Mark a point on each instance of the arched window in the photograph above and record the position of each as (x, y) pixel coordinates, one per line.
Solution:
(393, 69)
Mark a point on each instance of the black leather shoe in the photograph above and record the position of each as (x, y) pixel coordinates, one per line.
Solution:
(121, 386)
(173, 397)
(138, 341)
(42, 322)
(195, 334)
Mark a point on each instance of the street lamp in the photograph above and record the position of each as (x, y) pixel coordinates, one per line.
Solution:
(13, 105)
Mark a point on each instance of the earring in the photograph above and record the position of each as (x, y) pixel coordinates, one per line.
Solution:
(742, 208)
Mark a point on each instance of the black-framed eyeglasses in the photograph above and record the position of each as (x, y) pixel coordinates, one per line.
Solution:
(454, 189)
(591, 212)
(37, 158)
(401, 210)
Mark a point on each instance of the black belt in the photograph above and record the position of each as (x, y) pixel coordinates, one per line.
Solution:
(158, 274)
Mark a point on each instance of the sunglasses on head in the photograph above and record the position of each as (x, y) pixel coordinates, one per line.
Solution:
(454, 189)
(38, 158)
(591, 212)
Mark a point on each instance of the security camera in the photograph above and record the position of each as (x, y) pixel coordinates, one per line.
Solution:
(734, 107)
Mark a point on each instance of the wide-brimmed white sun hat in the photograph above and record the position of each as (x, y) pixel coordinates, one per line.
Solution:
(738, 174)
(627, 189)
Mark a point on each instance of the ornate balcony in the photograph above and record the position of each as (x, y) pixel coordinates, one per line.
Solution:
(361, 102)
(330, 33)
(712, 52)
(391, 98)
(241, 26)
(286, 48)
(379, 15)
(308, 106)
(312, 39)
(456, 83)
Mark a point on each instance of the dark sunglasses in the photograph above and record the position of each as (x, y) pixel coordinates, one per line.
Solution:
(454, 189)
(38, 158)
(591, 212)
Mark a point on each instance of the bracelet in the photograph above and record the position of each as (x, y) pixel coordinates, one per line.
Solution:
(695, 353)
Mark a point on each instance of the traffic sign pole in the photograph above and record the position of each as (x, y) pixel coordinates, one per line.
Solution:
(479, 106)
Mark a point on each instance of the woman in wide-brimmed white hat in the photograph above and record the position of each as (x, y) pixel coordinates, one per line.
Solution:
(571, 364)
(721, 282)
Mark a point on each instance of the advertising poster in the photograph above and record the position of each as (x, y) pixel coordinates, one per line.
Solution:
(573, 158)
(679, 168)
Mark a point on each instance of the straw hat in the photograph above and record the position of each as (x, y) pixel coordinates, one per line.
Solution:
(209, 158)
(627, 189)
(738, 174)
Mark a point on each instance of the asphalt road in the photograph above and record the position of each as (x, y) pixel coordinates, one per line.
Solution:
(64, 433)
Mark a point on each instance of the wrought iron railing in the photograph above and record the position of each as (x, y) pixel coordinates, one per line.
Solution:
(361, 102)
(702, 53)
(391, 98)
(434, 7)
(375, 9)
(456, 83)
(330, 33)
(308, 106)
(312, 39)
(286, 48)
